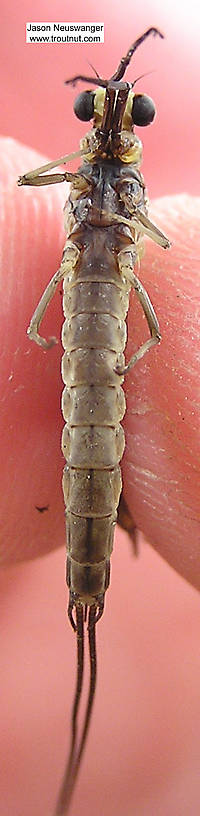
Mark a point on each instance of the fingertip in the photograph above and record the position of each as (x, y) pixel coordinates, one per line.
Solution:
(32, 237)
(162, 419)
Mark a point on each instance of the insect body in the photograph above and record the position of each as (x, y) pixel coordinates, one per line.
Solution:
(105, 220)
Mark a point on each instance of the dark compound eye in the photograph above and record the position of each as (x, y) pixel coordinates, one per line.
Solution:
(84, 106)
(143, 110)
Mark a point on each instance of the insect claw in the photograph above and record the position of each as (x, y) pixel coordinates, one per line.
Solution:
(41, 341)
(119, 370)
(98, 614)
(70, 615)
(52, 341)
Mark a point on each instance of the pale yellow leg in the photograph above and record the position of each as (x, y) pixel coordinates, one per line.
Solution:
(69, 261)
(126, 260)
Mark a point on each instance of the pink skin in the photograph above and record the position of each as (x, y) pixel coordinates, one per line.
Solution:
(160, 475)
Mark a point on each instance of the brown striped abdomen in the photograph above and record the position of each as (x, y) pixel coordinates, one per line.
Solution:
(93, 404)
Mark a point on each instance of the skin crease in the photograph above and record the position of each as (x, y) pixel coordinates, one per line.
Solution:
(160, 466)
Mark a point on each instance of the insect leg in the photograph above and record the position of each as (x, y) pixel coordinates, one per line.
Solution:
(141, 224)
(126, 260)
(50, 178)
(36, 178)
(40, 181)
(69, 261)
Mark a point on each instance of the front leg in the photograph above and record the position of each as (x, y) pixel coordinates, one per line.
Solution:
(36, 178)
(126, 261)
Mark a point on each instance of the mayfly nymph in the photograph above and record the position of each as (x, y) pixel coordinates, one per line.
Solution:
(106, 218)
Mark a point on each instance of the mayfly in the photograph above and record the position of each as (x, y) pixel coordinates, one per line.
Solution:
(105, 220)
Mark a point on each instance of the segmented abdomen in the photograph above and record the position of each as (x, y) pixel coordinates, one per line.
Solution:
(94, 336)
